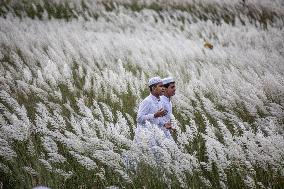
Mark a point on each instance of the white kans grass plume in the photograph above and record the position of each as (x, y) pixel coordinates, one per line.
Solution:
(16, 124)
(6, 150)
(70, 89)
(30, 170)
(84, 161)
(46, 164)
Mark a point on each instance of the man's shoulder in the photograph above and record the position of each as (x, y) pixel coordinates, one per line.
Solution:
(164, 98)
(146, 100)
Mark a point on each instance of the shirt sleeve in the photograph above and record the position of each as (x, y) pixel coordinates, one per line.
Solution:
(143, 112)
(173, 121)
(163, 120)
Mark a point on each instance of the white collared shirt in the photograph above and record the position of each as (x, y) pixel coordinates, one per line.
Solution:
(167, 105)
(147, 108)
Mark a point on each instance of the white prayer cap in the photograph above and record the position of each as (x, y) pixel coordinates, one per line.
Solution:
(168, 80)
(154, 80)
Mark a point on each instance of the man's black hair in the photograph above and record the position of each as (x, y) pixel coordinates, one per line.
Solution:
(168, 84)
(151, 86)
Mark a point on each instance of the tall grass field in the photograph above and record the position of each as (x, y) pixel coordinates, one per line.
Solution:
(73, 72)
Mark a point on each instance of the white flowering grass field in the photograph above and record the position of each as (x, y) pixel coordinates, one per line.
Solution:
(73, 74)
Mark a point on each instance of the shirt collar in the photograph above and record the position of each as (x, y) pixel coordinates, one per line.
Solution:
(154, 98)
(167, 98)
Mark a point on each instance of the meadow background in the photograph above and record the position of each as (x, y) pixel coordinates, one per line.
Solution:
(74, 72)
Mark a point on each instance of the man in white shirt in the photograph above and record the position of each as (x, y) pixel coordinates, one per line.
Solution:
(150, 110)
(170, 88)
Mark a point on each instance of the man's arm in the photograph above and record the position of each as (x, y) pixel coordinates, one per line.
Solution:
(144, 112)
(173, 122)
(165, 121)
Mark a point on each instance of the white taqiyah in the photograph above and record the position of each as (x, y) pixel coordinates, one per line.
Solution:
(168, 80)
(154, 80)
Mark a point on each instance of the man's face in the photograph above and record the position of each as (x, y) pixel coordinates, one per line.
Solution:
(171, 90)
(158, 89)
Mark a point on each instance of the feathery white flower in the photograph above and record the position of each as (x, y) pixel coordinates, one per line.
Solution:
(84, 161)
(6, 150)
